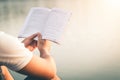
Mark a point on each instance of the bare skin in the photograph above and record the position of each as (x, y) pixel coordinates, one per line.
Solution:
(6, 73)
(43, 66)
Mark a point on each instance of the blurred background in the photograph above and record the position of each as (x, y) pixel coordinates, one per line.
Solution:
(90, 48)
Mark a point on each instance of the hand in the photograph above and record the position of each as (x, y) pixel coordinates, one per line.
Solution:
(30, 43)
(43, 45)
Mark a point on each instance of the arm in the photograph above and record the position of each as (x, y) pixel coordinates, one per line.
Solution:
(6, 73)
(43, 66)
(18, 58)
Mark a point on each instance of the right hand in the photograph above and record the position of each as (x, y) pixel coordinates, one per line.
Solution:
(43, 45)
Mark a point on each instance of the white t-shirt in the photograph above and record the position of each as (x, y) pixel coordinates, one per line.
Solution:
(13, 54)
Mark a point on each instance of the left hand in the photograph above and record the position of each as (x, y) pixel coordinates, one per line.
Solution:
(30, 43)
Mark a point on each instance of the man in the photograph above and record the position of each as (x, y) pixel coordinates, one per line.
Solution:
(15, 56)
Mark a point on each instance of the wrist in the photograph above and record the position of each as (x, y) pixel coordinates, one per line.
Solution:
(44, 53)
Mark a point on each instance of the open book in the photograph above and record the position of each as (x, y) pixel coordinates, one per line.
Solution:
(49, 22)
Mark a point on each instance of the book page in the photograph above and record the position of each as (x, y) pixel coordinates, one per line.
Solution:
(55, 24)
(35, 22)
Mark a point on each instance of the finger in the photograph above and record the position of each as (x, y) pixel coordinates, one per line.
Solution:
(47, 44)
(30, 48)
(39, 36)
(33, 36)
(39, 40)
(27, 41)
(29, 38)
(33, 43)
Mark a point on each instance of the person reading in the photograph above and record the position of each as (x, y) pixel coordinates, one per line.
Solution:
(50, 25)
(16, 57)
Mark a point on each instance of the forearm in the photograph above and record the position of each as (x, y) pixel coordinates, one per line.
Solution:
(45, 54)
(43, 66)
(39, 67)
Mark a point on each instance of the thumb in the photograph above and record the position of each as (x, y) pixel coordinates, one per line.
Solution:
(39, 43)
(39, 37)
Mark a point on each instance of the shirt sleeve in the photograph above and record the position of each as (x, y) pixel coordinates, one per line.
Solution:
(13, 54)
